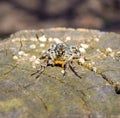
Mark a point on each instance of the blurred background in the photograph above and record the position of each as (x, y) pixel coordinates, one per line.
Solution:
(35, 14)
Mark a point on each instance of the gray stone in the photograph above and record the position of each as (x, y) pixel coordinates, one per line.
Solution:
(96, 94)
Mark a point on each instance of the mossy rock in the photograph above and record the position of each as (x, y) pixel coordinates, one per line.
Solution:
(96, 94)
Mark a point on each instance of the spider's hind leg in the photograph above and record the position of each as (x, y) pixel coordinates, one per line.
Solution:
(73, 68)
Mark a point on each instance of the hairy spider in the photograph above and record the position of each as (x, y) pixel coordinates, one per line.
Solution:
(59, 55)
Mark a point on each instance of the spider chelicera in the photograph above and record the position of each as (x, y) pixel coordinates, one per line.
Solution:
(59, 55)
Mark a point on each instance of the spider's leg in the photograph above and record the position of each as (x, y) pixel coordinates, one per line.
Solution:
(35, 72)
(65, 68)
(41, 69)
(73, 68)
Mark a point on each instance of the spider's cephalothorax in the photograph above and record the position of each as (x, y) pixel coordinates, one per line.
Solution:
(60, 55)
(60, 50)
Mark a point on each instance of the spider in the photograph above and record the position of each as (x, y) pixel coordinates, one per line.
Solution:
(59, 55)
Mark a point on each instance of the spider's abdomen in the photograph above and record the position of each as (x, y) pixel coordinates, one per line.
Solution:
(59, 62)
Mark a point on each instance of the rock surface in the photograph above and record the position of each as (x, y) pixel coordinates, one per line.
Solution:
(95, 95)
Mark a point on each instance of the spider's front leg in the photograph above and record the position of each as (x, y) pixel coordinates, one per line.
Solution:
(41, 69)
(65, 70)
(73, 68)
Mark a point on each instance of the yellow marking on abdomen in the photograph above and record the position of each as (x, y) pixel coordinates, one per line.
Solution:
(59, 62)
